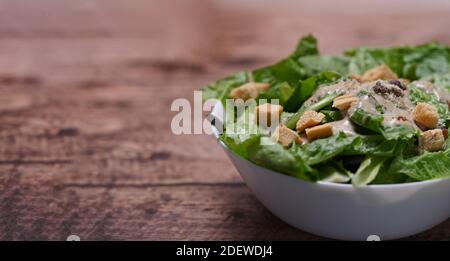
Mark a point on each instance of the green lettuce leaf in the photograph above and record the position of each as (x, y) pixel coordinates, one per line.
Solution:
(331, 115)
(425, 60)
(386, 177)
(272, 155)
(410, 62)
(333, 172)
(221, 89)
(363, 59)
(315, 64)
(307, 45)
(287, 70)
(322, 150)
(307, 87)
(242, 133)
(374, 122)
(439, 80)
(377, 145)
(430, 165)
(282, 92)
(368, 171)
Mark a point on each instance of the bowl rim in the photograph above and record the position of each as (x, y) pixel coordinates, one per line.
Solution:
(216, 134)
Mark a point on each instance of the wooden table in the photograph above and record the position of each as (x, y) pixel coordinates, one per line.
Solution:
(85, 95)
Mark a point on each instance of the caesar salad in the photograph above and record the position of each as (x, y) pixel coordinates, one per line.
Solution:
(368, 116)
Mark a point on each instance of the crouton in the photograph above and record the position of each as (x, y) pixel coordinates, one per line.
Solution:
(250, 90)
(344, 102)
(426, 115)
(285, 136)
(267, 112)
(321, 131)
(432, 140)
(309, 119)
(356, 77)
(445, 132)
(381, 72)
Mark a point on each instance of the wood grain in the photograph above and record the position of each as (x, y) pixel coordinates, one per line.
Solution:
(85, 95)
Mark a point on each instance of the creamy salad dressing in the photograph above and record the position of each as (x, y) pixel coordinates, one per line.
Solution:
(427, 86)
(391, 100)
(350, 87)
(344, 125)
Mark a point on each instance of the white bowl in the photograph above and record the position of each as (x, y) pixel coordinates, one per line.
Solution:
(341, 211)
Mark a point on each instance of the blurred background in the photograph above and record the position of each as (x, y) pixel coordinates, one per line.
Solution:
(85, 94)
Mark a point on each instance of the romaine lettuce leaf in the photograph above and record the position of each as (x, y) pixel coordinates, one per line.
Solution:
(399, 132)
(377, 145)
(240, 146)
(287, 70)
(307, 45)
(374, 122)
(272, 155)
(221, 89)
(366, 120)
(430, 165)
(307, 87)
(363, 59)
(242, 133)
(439, 80)
(368, 171)
(281, 92)
(331, 115)
(315, 64)
(322, 150)
(333, 172)
(409, 62)
(386, 177)
(424, 60)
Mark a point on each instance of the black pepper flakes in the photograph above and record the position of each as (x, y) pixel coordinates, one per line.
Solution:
(398, 84)
(382, 89)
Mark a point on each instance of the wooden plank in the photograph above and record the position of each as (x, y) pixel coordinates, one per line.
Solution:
(92, 128)
(45, 209)
(49, 210)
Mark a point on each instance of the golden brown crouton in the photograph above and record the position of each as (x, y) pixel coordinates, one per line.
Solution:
(321, 131)
(344, 102)
(250, 90)
(432, 140)
(381, 72)
(356, 77)
(309, 119)
(285, 136)
(426, 115)
(267, 112)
